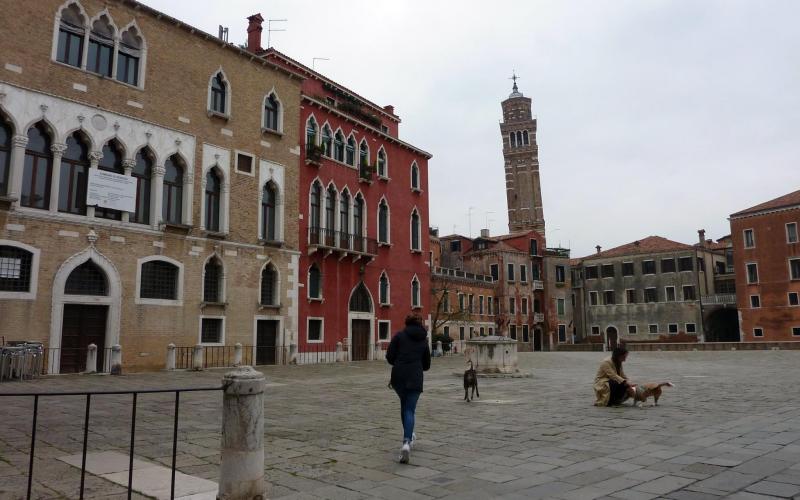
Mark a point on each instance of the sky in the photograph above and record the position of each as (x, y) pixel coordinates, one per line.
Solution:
(654, 117)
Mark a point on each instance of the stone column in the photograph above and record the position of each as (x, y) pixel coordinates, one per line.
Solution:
(55, 175)
(292, 354)
(19, 142)
(339, 352)
(157, 196)
(91, 359)
(128, 166)
(242, 458)
(116, 359)
(237, 354)
(94, 160)
(188, 195)
(171, 356)
(197, 357)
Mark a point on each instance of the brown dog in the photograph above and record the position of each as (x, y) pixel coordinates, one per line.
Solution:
(470, 382)
(644, 391)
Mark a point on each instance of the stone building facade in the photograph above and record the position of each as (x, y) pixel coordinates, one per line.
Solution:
(120, 92)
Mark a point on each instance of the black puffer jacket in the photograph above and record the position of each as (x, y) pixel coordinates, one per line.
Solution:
(409, 356)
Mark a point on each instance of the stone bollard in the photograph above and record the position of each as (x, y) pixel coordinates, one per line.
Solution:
(439, 351)
(292, 353)
(242, 458)
(237, 354)
(116, 359)
(339, 352)
(197, 357)
(91, 359)
(171, 356)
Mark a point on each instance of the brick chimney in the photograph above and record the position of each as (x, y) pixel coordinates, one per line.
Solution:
(701, 233)
(254, 34)
(389, 109)
(598, 248)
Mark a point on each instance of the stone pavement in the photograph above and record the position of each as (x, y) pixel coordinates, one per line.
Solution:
(730, 428)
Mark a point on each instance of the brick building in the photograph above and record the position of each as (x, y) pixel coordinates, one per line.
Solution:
(766, 256)
(97, 95)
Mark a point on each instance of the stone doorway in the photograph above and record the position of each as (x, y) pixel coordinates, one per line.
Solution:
(266, 341)
(612, 338)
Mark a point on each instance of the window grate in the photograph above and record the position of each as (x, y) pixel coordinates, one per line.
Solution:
(211, 331)
(159, 280)
(87, 279)
(211, 281)
(268, 286)
(15, 269)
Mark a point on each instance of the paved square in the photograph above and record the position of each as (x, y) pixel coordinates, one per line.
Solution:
(730, 427)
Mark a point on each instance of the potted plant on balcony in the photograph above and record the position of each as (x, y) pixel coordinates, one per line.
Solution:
(365, 172)
(314, 154)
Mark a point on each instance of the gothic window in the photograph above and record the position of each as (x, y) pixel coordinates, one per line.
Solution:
(219, 94)
(71, 32)
(269, 282)
(38, 167)
(74, 176)
(172, 208)
(16, 265)
(5, 155)
(101, 47)
(415, 231)
(383, 289)
(110, 162)
(382, 170)
(212, 281)
(415, 293)
(351, 151)
(519, 138)
(327, 140)
(314, 282)
(142, 172)
(311, 133)
(330, 209)
(338, 146)
(271, 112)
(525, 137)
(159, 280)
(383, 222)
(358, 215)
(415, 176)
(316, 203)
(363, 153)
(212, 200)
(87, 279)
(269, 219)
(129, 56)
(512, 139)
(344, 213)
(360, 300)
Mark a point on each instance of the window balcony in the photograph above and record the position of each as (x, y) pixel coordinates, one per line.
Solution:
(344, 244)
(457, 273)
(538, 285)
(723, 299)
(314, 155)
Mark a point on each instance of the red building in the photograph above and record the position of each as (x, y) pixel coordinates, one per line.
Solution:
(766, 257)
(364, 263)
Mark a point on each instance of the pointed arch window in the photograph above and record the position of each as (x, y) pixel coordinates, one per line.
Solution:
(344, 218)
(71, 32)
(219, 94)
(100, 59)
(512, 138)
(330, 210)
(351, 151)
(316, 205)
(383, 222)
(519, 138)
(415, 231)
(525, 137)
(363, 153)
(358, 216)
(383, 290)
(111, 162)
(416, 300)
(269, 286)
(271, 113)
(314, 282)
(142, 172)
(5, 155)
(36, 173)
(415, 176)
(311, 133)
(327, 140)
(87, 279)
(129, 55)
(381, 163)
(212, 200)
(269, 219)
(172, 208)
(74, 176)
(360, 300)
(338, 146)
(212, 281)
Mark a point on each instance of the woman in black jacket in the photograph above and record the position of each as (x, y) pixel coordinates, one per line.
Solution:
(409, 355)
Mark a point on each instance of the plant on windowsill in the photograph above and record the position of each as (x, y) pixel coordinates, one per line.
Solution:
(314, 155)
(365, 173)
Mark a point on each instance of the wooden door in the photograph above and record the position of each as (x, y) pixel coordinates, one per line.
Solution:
(537, 340)
(360, 339)
(83, 325)
(266, 342)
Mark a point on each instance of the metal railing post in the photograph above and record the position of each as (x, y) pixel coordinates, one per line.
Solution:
(91, 359)
(171, 356)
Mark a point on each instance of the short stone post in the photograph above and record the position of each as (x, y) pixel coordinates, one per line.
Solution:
(339, 352)
(292, 354)
(242, 459)
(91, 359)
(116, 359)
(171, 356)
(439, 351)
(197, 357)
(237, 354)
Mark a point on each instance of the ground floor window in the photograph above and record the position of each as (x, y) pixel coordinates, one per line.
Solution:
(672, 328)
(315, 329)
(652, 328)
(759, 332)
(211, 331)
(562, 333)
(384, 328)
(691, 328)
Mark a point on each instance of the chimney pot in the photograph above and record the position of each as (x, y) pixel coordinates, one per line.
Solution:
(254, 29)
(389, 109)
(598, 248)
(701, 233)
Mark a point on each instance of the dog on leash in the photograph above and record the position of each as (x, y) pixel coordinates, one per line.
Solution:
(643, 391)
(470, 382)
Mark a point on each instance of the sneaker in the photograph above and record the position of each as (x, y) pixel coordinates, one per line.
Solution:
(405, 452)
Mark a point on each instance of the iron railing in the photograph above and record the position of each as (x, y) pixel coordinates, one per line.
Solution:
(457, 273)
(719, 299)
(338, 240)
(89, 394)
(217, 356)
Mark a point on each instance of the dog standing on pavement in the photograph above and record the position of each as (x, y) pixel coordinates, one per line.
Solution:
(470, 382)
(644, 391)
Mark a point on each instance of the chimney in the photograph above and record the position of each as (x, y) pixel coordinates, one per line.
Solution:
(389, 109)
(484, 233)
(598, 248)
(254, 34)
(701, 233)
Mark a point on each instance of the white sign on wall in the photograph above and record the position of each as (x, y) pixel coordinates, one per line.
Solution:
(110, 190)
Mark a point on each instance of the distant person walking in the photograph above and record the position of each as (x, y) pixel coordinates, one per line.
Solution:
(611, 385)
(409, 355)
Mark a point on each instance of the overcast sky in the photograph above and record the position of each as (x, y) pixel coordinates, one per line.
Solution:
(655, 117)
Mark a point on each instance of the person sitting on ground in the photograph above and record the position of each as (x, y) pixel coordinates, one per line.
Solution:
(611, 385)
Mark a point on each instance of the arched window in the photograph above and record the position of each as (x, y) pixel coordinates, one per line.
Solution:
(159, 280)
(316, 204)
(327, 141)
(314, 282)
(360, 300)
(351, 151)
(212, 200)
(271, 112)
(5, 155)
(111, 162)
(363, 153)
(172, 208)
(338, 146)
(525, 137)
(415, 231)
(16, 266)
(358, 216)
(415, 293)
(142, 172)
(219, 93)
(330, 210)
(130, 53)
(269, 219)
(71, 32)
(519, 138)
(512, 137)
(269, 286)
(101, 47)
(414, 176)
(36, 173)
(382, 171)
(383, 222)
(311, 133)
(344, 214)
(383, 289)
(212, 281)
(74, 176)
(87, 279)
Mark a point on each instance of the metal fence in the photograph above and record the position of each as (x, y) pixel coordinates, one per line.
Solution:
(219, 356)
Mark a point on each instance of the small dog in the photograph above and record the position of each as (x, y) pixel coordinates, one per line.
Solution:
(470, 382)
(644, 391)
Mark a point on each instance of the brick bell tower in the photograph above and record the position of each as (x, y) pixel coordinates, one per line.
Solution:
(521, 155)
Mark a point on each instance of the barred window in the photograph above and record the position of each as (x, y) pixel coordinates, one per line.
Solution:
(87, 279)
(15, 269)
(268, 286)
(685, 264)
(159, 280)
(668, 265)
(5, 155)
(211, 331)
(212, 281)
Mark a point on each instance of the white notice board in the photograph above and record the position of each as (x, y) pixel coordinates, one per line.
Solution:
(110, 190)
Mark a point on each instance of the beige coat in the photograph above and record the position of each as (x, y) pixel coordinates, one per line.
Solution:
(606, 372)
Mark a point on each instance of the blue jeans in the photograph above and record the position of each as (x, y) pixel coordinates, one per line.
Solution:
(408, 406)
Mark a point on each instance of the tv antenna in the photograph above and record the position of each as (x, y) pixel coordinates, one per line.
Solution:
(270, 29)
(315, 59)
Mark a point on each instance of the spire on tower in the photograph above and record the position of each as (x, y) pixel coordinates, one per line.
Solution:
(514, 90)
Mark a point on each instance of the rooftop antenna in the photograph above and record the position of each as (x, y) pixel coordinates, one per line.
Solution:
(270, 29)
(469, 220)
(223, 33)
(488, 219)
(315, 59)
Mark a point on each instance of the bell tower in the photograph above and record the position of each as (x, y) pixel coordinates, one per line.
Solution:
(521, 155)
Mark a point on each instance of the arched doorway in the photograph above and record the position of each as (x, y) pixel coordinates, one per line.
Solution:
(361, 319)
(722, 325)
(612, 338)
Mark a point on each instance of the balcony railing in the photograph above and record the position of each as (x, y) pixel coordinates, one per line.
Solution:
(343, 242)
(314, 154)
(457, 273)
(719, 299)
(538, 285)
(538, 317)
